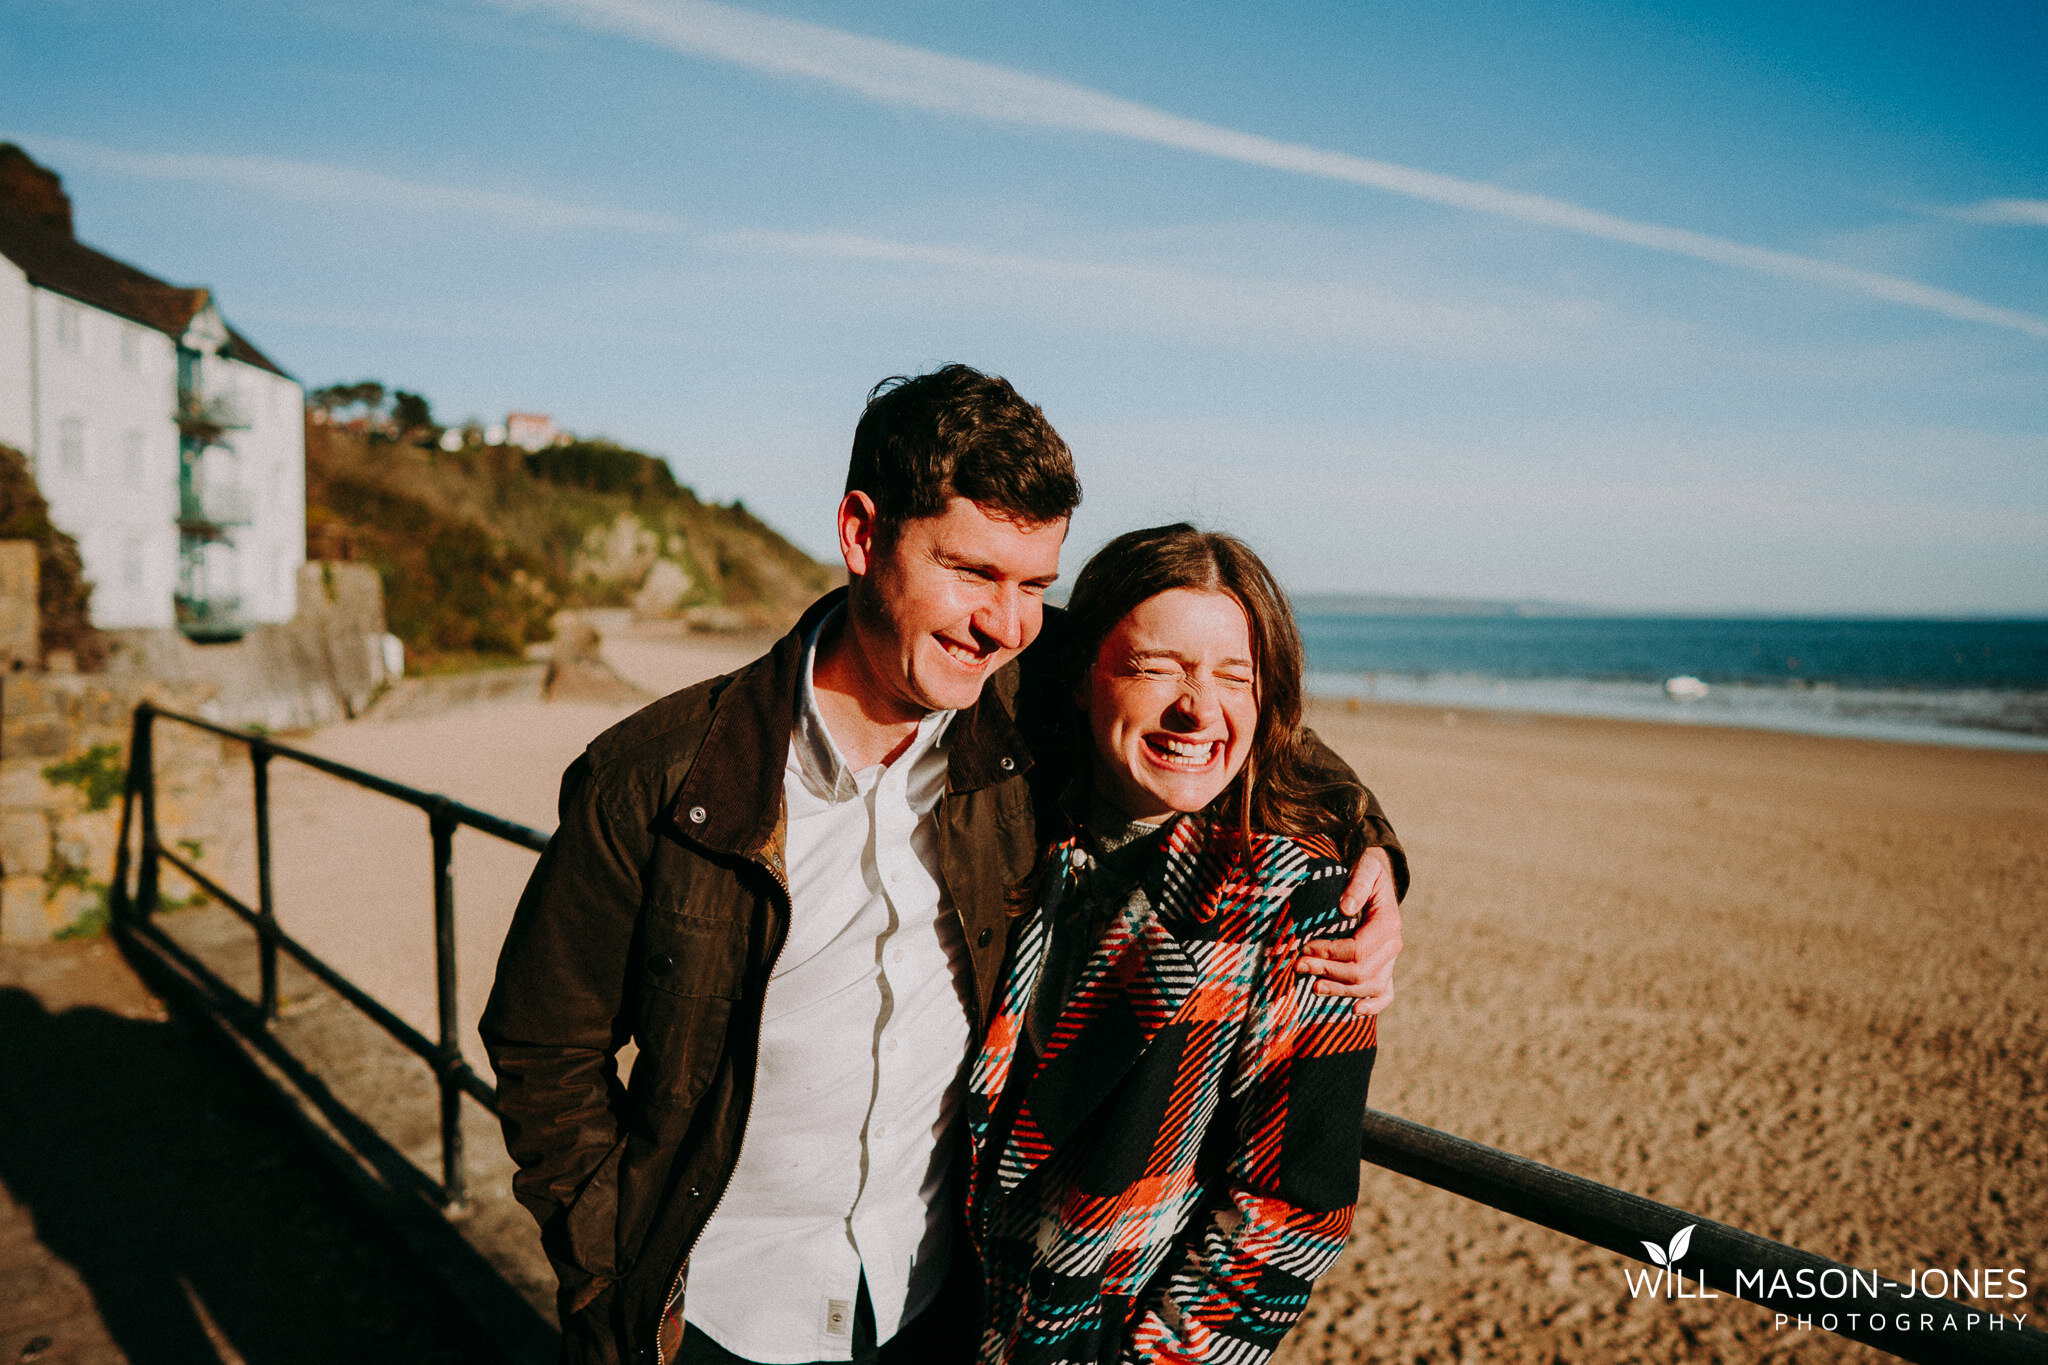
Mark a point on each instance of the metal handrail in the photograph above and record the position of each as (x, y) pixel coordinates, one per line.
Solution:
(453, 1076)
(1731, 1260)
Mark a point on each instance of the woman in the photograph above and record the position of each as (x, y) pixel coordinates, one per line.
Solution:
(1165, 1117)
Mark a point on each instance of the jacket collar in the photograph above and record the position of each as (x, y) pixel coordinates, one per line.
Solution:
(731, 798)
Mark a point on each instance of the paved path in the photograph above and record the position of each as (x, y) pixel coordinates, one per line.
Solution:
(151, 1209)
(352, 870)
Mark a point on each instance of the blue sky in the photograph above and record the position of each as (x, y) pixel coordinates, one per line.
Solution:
(1723, 307)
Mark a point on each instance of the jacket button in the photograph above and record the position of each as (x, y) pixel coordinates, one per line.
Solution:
(696, 1191)
(696, 815)
(1008, 764)
(981, 939)
(660, 963)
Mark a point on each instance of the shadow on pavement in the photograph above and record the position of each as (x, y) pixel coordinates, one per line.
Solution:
(201, 1229)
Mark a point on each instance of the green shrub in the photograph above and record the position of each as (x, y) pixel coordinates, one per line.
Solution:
(98, 772)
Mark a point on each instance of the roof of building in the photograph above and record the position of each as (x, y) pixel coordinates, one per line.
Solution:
(56, 260)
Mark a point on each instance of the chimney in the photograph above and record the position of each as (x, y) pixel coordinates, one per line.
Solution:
(31, 191)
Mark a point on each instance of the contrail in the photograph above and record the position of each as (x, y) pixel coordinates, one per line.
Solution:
(321, 183)
(913, 78)
(2032, 212)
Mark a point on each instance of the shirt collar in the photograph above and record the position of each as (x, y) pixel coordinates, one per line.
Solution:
(824, 767)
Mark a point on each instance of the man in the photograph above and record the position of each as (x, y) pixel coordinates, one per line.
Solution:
(788, 886)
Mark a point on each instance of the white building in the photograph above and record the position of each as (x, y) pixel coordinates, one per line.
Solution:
(165, 443)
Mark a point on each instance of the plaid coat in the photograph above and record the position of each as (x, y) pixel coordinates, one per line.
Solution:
(1182, 1162)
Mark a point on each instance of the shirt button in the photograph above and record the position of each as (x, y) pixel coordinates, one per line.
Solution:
(891, 1045)
(696, 815)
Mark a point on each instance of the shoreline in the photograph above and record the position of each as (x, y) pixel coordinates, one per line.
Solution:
(2015, 721)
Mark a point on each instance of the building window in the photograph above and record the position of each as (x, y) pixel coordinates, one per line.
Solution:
(71, 446)
(131, 563)
(70, 325)
(131, 348)
(133, 457)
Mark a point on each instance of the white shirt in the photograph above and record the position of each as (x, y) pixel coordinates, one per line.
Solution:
(864, 1036)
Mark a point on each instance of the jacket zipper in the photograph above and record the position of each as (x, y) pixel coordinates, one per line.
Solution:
(675, 1289)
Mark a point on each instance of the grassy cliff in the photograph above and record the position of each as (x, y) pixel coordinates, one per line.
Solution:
(63, 593)
(479, 547)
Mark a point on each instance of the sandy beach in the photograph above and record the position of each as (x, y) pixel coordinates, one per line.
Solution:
(1792, 984)
(1788, 983)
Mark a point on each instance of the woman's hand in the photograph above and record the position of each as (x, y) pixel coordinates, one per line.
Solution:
(1362, 966)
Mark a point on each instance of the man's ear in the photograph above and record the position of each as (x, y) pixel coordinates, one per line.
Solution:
(859, 533)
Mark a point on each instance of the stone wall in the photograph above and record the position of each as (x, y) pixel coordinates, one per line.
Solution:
(64, 735)
(63, 752)
(326, 664)
(20, 622)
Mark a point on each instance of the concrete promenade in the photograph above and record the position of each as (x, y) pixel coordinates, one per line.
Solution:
(153, 1210)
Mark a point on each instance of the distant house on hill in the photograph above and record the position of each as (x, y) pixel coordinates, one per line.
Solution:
(168, 445)
(531, 430)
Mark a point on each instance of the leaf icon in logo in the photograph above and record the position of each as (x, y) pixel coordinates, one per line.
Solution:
(1656, 1253)
(1681, 1242)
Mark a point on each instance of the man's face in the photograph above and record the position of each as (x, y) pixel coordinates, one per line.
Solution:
(948, 602)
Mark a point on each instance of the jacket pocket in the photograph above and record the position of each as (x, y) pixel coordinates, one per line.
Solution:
(589, 1225)
(691, 974)
(693, 955)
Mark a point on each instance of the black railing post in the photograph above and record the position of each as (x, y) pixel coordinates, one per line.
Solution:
(120, 906)
(144, 759)
(442, 820)
(266, 907)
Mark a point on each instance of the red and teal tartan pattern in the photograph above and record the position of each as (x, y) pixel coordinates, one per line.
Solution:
(1183, 1162)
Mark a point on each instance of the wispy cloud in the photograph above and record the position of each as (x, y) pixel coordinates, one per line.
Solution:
(2032, 212)
(320, 183)
(1185, 302)
(913, 78)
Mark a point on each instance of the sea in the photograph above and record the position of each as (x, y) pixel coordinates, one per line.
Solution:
(1965, 682)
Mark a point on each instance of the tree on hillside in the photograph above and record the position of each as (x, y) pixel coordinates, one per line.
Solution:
(410, 412)
(64, 594)
(603, 467)
(363, 400)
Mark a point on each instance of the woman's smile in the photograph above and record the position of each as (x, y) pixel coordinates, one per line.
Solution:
(1172, 703)
(1183, 753)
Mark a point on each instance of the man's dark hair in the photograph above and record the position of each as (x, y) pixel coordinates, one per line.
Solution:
(957, 431)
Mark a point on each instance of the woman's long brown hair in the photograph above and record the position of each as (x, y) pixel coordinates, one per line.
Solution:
(1278, 791)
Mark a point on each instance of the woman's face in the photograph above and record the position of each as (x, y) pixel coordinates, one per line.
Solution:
(1172, 703)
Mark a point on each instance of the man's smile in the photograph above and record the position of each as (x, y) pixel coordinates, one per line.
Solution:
(968, 656)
